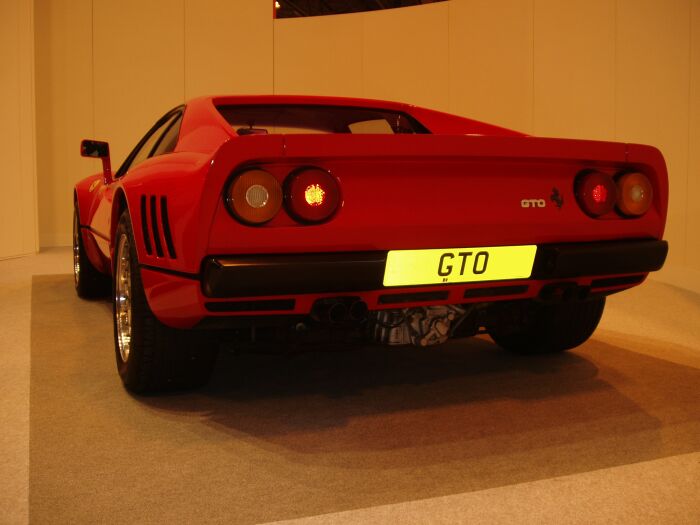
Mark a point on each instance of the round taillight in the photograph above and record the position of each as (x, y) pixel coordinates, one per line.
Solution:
(596, 193)
(311, 195)
(635, 194)
(254, 196)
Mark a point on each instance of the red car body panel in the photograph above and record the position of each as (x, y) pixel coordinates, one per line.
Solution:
(462, 185)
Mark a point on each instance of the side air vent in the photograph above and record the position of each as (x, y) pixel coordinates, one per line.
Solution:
(166, 227)
(144, 226)
(155, 224)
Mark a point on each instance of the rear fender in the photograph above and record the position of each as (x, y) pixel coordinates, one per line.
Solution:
(163, 196)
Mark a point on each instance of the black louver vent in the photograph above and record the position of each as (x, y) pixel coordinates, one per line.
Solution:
(144, 226)
(166, 227)
(153, 222)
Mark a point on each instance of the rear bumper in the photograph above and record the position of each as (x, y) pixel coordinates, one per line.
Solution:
(266, 275)
(253, 275)
(268, 285)
(599, 258)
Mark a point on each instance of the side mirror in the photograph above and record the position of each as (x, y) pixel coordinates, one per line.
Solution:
(98, 150)
(94, 148)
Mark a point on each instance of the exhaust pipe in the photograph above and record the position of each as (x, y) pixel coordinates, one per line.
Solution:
(358, 311)
(337, 313)
(335, 310)
(329, 311)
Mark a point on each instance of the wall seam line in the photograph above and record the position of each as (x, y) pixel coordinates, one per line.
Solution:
(184, 50)
(92, 68)
(363, 44)
(615, 87)
(449, 63)
(274, 51)
(18, 76)
(689, 114)
(532, 58)
(32, 110)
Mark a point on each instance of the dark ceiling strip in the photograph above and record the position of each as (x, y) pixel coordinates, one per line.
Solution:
(296, 8)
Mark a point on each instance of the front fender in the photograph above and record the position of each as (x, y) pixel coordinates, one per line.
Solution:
(84, 196)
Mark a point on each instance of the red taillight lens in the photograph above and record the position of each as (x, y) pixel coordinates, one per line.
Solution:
(254, 196)
(596, 193)
(635, 192)
(312, 195)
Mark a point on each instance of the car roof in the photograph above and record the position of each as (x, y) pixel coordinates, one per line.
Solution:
(202, 111)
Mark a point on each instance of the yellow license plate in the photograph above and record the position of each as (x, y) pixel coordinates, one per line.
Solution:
(458, 265)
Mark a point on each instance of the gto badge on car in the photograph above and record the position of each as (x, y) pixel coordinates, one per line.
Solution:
(533, 203)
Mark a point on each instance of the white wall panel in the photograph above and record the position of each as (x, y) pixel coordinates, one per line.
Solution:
(652, 87)
(18, 228)
(406, 55)
(574, 65)
(693, 210)
(64, 109)
(320, 55)
(491, 70)
(228, 47)
(139, 68)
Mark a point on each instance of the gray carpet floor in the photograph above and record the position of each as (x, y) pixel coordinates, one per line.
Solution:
(283, 437)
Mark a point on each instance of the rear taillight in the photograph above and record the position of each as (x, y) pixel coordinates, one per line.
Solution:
(635, 194)
(311, 195)
(254, 196)
(596, 193)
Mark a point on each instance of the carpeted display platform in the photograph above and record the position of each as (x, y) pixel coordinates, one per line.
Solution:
(280, 437)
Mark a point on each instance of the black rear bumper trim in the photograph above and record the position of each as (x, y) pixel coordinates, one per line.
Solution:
(254, 275)
(268, 305)
(495, 291)
(413, 297)
(269, 275)
(554, 261)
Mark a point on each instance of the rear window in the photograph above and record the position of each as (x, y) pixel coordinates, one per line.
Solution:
(278, 119)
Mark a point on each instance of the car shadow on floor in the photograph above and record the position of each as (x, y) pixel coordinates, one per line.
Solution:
(342, 398)
(379, 398)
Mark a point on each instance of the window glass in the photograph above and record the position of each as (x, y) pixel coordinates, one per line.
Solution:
(297, 8)
(379, 126)
(144, 149)
(168, 140)
(284, 118)
(147, 147)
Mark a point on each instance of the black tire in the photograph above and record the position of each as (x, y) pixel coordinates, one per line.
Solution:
(160, 358)
(549, 328)
(90, 283)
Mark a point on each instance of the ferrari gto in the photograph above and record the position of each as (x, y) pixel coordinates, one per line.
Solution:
(282, 218)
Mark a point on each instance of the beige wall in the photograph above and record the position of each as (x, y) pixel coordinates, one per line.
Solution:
(693, 188)
(625, 70)
(64, 104)
(109, 69)
(18, 226)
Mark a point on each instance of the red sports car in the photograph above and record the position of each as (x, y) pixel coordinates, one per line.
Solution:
(292, 218)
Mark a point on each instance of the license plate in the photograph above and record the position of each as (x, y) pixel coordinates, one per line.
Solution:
(458, 265)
